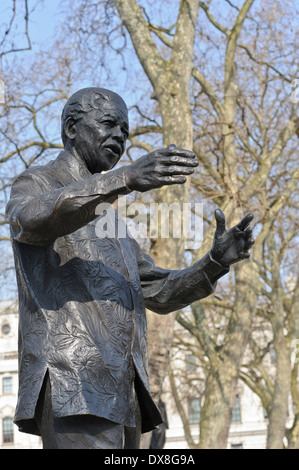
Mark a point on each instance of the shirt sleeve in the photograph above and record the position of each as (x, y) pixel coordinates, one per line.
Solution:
(165, 291)
(39, 215)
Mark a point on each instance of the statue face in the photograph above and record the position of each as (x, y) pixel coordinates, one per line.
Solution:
(101, 136)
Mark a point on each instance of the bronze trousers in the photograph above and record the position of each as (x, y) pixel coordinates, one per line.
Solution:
(82, 431)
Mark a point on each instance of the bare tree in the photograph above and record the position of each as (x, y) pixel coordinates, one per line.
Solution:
(209, 75)
(247, 146)
(9, 42)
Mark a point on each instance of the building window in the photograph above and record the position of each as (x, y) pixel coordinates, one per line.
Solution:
(194, 410)
(7, 385)
(236, 413)
(8, 430)
(6, 328)
(273, 355)
(190, 362)
(266, 416)
(237, 446)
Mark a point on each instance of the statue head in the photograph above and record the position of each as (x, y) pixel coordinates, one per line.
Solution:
(94, 124)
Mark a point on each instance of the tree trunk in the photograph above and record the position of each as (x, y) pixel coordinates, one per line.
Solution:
(293, 433)
(216, 413)
(279, 405)
(169, 252)
(171, 81)
(223, 377)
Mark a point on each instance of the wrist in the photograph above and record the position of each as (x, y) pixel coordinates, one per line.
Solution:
(213, 269)
(115, 179)
(128, 178)
(217, 259)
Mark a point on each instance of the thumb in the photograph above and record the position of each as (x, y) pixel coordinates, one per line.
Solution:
(220, 223)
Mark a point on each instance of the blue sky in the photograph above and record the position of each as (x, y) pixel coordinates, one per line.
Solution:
(42, 19)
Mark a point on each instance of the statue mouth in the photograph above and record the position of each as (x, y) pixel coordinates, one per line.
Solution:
(115, 149)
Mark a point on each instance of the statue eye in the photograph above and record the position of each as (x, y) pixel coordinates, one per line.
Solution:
(108, 122)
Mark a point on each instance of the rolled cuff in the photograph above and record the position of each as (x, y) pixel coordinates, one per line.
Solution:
(214, 270)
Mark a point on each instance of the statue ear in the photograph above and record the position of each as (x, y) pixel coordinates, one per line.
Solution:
(70, 128)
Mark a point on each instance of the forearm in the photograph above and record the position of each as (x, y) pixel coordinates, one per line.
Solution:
(41, 218)
(182, 287)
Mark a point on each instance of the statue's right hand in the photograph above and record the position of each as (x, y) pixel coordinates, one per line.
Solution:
(162, 167)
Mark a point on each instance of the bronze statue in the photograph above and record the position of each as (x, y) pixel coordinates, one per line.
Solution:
(83, 379)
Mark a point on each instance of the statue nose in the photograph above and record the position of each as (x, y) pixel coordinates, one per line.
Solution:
(118, 134)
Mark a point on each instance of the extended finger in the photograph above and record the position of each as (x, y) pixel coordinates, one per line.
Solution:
(244, 222)
(220, 222)
(178, 160)
(246, 233)
(172, 146)
(172, 150)
(176, 170)
(168, 180)
(248, 244)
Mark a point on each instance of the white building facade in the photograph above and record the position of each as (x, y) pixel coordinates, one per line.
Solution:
(249, 425)
(248, 428)
(10, 437)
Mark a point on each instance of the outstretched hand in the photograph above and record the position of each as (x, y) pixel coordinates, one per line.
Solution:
(161, 167)
(231, 246)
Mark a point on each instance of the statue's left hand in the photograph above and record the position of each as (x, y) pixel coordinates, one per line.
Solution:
(231, 246)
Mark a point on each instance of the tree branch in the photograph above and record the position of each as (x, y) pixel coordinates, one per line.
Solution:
(131, 15)
(26, 17)
(213, 20)
(261, 62)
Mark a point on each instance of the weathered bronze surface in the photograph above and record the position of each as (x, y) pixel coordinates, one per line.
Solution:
(82, 298)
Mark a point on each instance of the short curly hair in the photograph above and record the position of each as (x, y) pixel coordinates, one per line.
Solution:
(85, 100)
